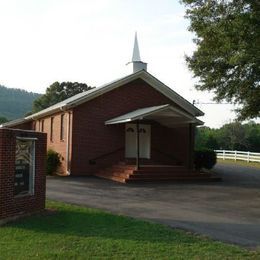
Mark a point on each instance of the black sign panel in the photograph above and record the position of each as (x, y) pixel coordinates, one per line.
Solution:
(23, 167)
(21, 179)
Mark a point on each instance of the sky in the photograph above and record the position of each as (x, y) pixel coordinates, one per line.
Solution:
(90, 41)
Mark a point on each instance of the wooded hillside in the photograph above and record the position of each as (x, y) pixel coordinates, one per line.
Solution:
(15, 103)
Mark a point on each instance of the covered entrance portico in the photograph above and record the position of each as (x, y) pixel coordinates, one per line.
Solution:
(139, 129)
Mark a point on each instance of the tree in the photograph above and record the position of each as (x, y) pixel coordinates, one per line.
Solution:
(3, 120)
(252, 133)
(227, 58)
(206, 138)
(58, 92)
(232, 136)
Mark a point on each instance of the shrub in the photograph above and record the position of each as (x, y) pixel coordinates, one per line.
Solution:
(205, 159)
(53, 161)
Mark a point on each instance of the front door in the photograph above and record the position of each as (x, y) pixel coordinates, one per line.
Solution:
(131, 141)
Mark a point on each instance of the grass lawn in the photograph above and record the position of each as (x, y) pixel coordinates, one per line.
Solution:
(73, 232)
(242, 163)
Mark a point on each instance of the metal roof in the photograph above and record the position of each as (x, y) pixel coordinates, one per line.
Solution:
(134, 115)
(93, 93)
(165, 114)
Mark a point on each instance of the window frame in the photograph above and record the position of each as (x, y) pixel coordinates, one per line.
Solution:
(42, 125)
(51, 128)
(62, 127)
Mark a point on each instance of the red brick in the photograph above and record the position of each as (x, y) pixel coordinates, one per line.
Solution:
(91, 138)
(9, 204)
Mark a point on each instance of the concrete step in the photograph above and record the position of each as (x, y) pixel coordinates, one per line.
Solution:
(124, 172)
(113, 178)
(174, 179)
(170, 173)
(166, 175)
(123, 167)
(160, 169)
(119, 170)
(113, 173)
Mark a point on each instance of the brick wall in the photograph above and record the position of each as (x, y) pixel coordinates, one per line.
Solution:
(170, 144)
(89, 138)
(11, 205)
(92, 138)
(58, 144)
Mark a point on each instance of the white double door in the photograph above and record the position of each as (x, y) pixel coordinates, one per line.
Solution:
(131, 141)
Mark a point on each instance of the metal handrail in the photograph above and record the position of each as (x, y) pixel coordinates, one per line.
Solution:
(92, 161)
(170, 156)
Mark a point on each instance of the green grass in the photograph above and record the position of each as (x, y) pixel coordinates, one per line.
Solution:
(73, 232)
(242, 163)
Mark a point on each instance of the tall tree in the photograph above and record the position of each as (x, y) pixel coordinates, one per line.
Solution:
(58, 92)
(206, 138)
(232, 136)
(252, 133)
(227, 58)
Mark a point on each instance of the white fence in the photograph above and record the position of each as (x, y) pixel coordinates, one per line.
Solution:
(238, 155)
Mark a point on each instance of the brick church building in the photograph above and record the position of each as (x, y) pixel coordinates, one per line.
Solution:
(134, 128)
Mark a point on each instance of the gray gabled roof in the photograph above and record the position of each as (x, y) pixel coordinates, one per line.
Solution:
(135, 115)
(164, 114)
(93, 93)
(15, 122)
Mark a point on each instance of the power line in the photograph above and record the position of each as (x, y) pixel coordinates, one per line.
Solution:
(194, 102)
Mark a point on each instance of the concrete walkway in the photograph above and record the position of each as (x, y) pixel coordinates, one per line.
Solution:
(227, 211)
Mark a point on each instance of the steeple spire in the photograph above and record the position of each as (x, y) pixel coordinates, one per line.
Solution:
(136, 52)
(136, 59)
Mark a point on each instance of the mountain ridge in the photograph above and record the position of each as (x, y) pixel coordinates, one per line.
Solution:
(15, 102)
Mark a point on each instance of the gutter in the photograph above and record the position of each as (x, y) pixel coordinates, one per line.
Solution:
(68, 142)
(68, 114)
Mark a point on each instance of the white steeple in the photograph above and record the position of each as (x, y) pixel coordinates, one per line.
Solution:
(136, 53)
(136, 59)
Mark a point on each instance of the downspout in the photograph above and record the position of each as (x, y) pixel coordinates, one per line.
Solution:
(35, 121)
(137, 146)
(68, 143)
(63, 108)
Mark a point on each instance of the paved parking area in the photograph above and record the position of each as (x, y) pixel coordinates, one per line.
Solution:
(227, 210)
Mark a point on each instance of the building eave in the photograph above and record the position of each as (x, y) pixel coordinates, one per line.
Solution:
(15, 122)
(151, 80)
(164, 114)
(171, 94)
(91, 94)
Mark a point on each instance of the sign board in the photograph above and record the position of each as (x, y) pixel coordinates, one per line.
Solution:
(24, 167)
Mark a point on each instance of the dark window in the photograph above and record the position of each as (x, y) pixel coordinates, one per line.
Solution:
(51, 130)
(42, 125)
(62, 127)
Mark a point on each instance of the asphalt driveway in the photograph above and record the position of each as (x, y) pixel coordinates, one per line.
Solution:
(227, 210)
